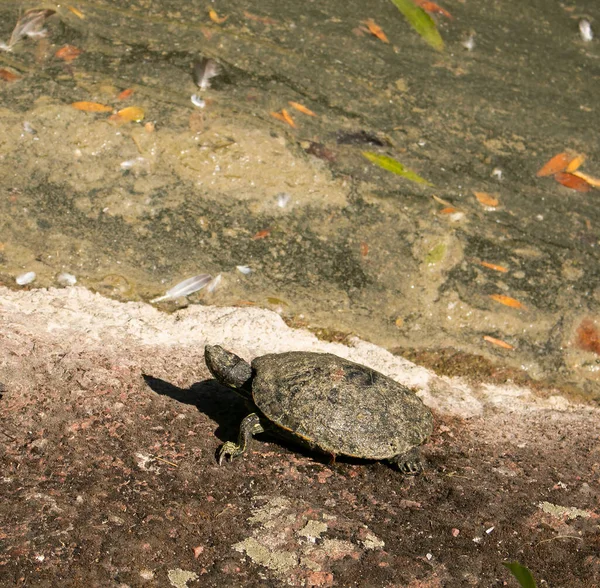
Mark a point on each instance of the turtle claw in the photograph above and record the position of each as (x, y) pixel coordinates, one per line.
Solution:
(228, 451)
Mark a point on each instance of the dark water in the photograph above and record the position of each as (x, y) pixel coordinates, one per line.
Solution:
(131, 209)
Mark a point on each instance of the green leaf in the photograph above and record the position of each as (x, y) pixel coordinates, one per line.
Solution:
(391, 165)
(521, 573)
(436, 254)
(421, 22)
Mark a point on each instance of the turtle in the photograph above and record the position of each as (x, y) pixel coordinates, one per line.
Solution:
(325, 403)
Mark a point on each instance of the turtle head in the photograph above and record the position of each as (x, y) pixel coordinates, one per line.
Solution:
(228, 368)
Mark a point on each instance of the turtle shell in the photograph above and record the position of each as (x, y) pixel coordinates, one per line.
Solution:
(338, 406)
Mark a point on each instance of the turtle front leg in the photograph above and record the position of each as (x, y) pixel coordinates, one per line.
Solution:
(250, 426)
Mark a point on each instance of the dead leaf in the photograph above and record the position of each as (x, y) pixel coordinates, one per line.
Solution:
(215, 17)
(91, 107)
(285, 117)
(68, 53)
(301, 108)
(364, 249)
(125, 94)
(433, 8)
(8, 76)
(449, 210)
(486, 199)
(557, 164)
(441, 200)
(575, 182)
(588, 338)
(591, 180)
(376, 30)
(493, 266)
(575, 163)
(76, 12)
(507, 301)
(262, 19)
(129, 114)
(498, 342)
(261, 234)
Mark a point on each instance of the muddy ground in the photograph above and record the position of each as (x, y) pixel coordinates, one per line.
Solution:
(110, 423)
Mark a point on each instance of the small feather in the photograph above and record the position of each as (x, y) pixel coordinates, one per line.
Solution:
(204, 71)
(185, 288)
(244, 269)
(25, 278)
(214, 283)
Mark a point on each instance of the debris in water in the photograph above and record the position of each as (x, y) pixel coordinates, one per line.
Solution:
(197, 101)
(285, 117)
(86, 106)
(556, 164)
(585, 30)
(575, 182)
(486, 199)
(214, 283)
(29, 25)
(25, 279)
(243, 269)
(129, 114)
(204, 71)
(215, 17)
(507, 301)
(125, 94)
(66, 279)
(301, 108)
(185, 288)
(68, 53)
(376, 30)
(282, 199)
(469, 42)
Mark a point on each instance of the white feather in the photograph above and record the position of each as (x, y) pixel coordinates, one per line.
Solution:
(185, 288)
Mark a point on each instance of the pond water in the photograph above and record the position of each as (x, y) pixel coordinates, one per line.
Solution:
(333, 242)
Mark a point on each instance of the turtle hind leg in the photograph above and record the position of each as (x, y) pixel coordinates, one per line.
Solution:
(250, 426)
(408, 463)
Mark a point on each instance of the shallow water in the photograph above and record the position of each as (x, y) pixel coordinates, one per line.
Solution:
(132, 209)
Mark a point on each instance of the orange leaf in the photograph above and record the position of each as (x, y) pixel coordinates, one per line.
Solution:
(215, 17)
(285, 117)
(125, 94)
(557, 164)
(91, 107)
(9, 76)
(432, 7)
(498, 342)
(262, 19)
(376, 30)
(486, 199)
(129, 114)
(587, 336)
(301, 108)
(575, 163)
(261, 234)
(448, 210)
(572, 181)
(364, 249)
(68, 53)
(76, 12)
(493, 266)
(592, 181)
(506, 300)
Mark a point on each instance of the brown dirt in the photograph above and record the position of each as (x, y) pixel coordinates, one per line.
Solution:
(109, 478)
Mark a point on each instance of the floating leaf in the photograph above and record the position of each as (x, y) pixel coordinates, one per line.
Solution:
(521, 573)
(436, 254)
(507, 301)
(575, 182)
(421, 22)
(261, 234)
(376, 30)
(285, 117)
(91, 107)
(277, 301)
(8, 76)
(493, 266)
(486, 199)
(575, 163)
(301, 108)
(129, 114)
(185, 288)
(125, 94)
(588, 337)
(497, 342)
(68, 53)
(592, 181)
(215, 17)
(449, 210)
(76, 12)
(557, 164)
(432, 7)
(394, 166)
